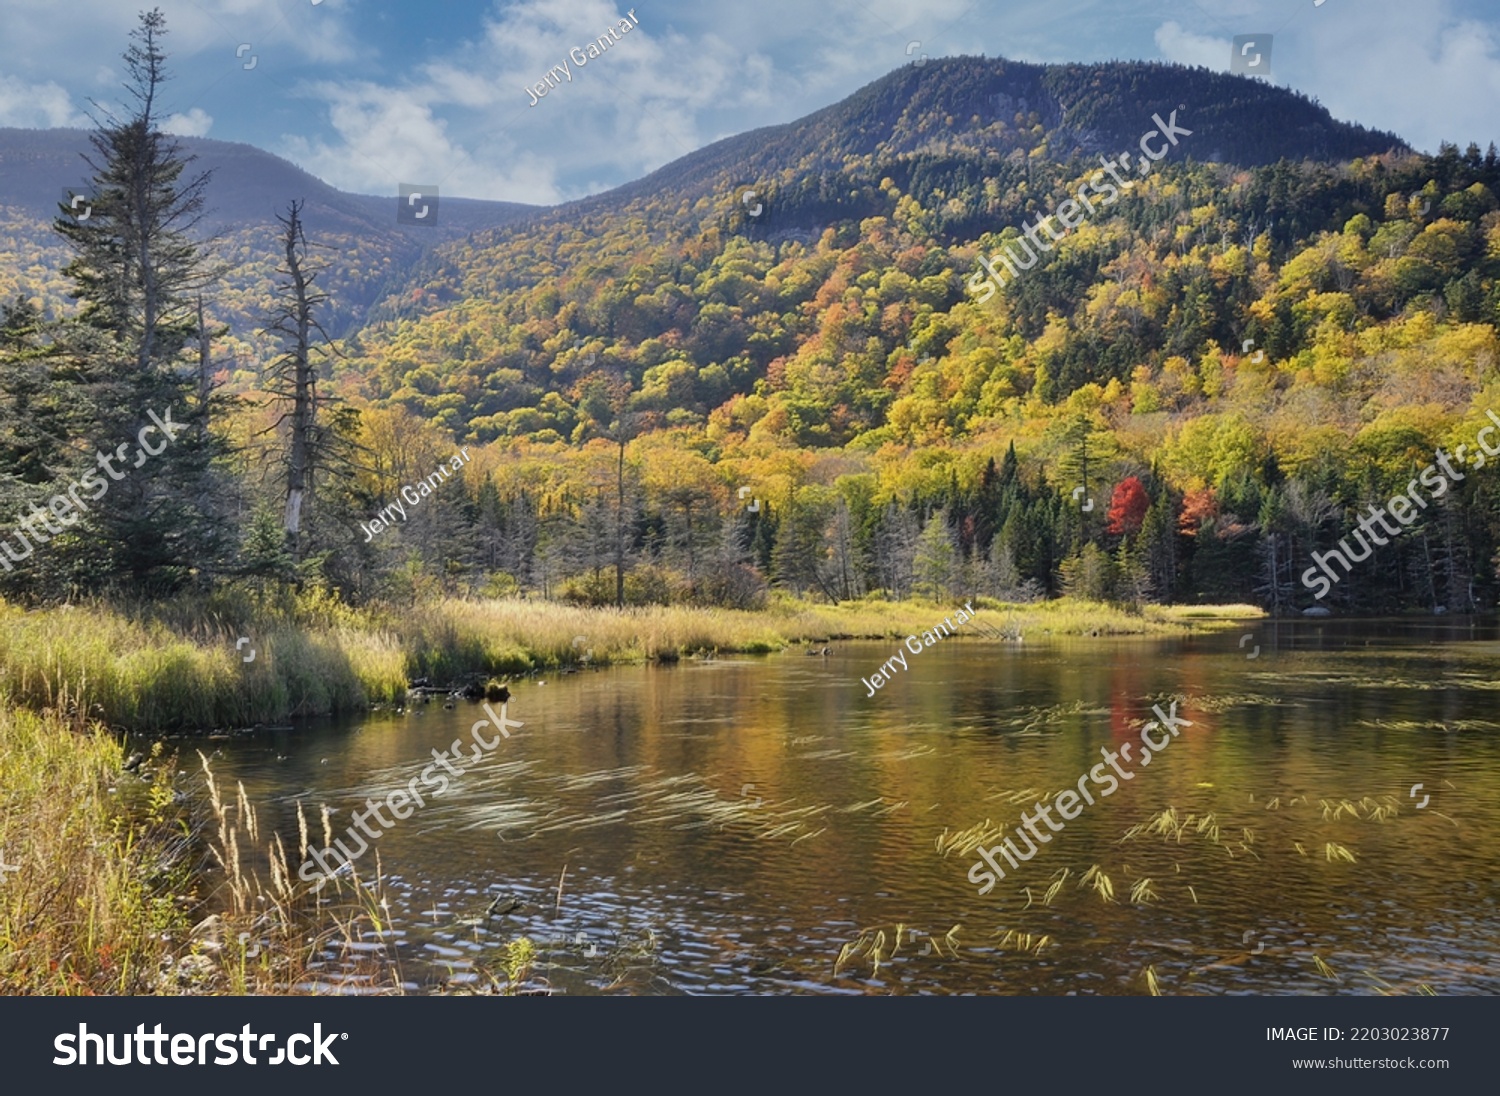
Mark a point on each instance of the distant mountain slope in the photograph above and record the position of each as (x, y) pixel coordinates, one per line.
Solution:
(971, 129)
(969, 105)
(975, 142)
(811, 281)
(372, 253)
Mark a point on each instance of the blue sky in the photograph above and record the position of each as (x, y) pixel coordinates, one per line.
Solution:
(367, 94)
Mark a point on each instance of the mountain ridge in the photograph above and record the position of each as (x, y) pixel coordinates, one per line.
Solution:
(1025, 86)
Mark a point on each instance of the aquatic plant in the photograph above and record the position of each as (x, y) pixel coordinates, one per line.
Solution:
(1101, 883)
(1059, 878)
(1324, 969)
(1021, 942)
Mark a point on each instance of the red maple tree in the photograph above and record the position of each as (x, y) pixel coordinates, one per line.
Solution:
(1127, 507)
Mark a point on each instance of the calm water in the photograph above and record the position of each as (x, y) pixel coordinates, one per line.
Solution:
(682, 877)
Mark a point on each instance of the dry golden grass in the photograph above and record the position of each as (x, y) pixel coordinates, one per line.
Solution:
(269, 929)
(103, 877)
(176, 665)
(98, 878)
(153, 675)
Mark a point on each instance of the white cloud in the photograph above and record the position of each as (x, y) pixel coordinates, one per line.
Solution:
(466, 121)
(1187, 48)
(451, 107)
(387, 136)
(70, 42)
(36, 106)
(195, 123)
(1418, 70)
(1422, 71)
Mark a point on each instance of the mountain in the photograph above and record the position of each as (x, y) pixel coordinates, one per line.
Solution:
(981, 125)
(1238, 355)
(710, 278)
(969, 105)
(370, 253)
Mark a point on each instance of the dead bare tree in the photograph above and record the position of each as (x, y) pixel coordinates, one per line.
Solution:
(312, 443)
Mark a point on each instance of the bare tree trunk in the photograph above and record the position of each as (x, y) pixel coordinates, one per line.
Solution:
(302, 409)
(692, 570)
(620, 526)
(296, 377)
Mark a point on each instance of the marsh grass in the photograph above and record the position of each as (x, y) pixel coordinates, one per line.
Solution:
(1022, 943)
(175, 665)
(1334, 851)
(100, 877)
(870, 946)
(1058, 879)
(151, 674)
(1324, 969)
(112, 870)
(1101, 883)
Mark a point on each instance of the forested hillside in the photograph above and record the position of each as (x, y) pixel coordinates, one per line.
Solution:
(824, 350)
(764, 365)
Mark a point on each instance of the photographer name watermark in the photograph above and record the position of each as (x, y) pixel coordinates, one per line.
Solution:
(580, 55)
(942, 630)
(414, 494)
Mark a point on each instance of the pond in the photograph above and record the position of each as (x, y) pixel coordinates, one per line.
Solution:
(748, 825)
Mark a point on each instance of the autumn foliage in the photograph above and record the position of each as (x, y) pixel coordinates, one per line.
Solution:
(1127, 508)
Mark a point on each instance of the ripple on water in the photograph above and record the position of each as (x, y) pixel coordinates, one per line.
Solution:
(757, 844)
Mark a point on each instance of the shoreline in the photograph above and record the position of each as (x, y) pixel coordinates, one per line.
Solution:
(79, 682)
(177, 666)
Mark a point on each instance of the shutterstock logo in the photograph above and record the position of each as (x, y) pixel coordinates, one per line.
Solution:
(188, 1050)
(1251, 55)
(417, 205)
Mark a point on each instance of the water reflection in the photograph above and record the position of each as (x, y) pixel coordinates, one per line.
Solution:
(623, 821)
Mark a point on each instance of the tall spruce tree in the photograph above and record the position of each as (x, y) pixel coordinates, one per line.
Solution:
(138, 274)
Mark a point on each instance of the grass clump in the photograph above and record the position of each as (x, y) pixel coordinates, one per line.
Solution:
(95, 860)
(105, 875)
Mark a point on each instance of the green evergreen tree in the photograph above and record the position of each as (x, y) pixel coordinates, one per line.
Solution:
(799, 543)
(36, 418)
(1088, 574)
(936, 562)
(1158, 540)
(138, 275)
